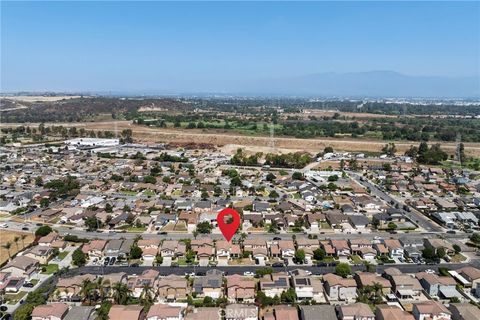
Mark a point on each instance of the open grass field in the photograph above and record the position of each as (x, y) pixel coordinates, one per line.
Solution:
(259, 143)
(9, 236)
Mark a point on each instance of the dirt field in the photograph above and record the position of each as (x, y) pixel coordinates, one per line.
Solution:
(38, 98)
(222, 137)
(9, 236)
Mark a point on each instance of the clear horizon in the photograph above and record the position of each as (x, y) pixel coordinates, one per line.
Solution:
(219, 46)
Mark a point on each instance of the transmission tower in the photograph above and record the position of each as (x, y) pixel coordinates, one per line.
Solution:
(458, 151)
(271, 142)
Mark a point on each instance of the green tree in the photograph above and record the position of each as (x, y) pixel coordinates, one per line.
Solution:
(441, 252)
(300, 256)
(204, 227)
(78, 258)
(319, 254)
(343, 269)
(270, 177)
(297, 175)
(43, 231)
(121, 293)
(136, 252)
(92, 223)
(273, 194)
(475, 238)
(457, 248)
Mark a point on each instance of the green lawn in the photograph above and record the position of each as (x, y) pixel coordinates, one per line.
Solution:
(356, 259)
(129, 192)
(13, 298)
(34, 281)
(135, 229)
(50, 268)
(149, 193)
(62, 255)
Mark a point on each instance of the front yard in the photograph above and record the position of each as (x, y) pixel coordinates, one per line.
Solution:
(50, 268)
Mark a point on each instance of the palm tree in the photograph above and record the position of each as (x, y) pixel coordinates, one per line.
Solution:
(195, 233)
(100, 286)
(121, 293)
(368, 266)
(23, 237)
(7, 246)
(86, 290)
(15, 239)
(147, 295)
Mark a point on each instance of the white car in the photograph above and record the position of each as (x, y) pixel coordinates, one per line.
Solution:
(192, 274)
(430, 271)
(377, 238)
(248, 274)
(3, 225)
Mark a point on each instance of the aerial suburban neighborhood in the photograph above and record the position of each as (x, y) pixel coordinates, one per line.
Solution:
(239, 160)
(107, 228)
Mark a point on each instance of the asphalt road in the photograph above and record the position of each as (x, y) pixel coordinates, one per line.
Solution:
(405, 268)
(414, 215)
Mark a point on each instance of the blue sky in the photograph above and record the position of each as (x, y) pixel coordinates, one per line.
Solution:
(194, 46)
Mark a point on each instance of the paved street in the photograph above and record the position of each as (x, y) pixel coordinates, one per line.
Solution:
(406, 268)
(414, 215)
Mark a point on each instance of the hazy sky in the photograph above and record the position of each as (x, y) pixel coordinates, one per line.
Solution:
(191, 46)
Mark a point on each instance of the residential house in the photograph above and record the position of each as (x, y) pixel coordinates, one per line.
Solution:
(306, 286)
(282, 312)
(437, 243)
(210, 285)
(241, 312)
(172, 288)
(436, 286)
(387, 312)
(94, 249)
(240, 289)
(128, 312)
(81, 312)
(22, 266)
(367, 279)
(464, 311)
(341, 248)
(431, 310)
(204, 314)
(226, 251)
(338, 288)
(472, 275)
(69, 288)
(395, 248)
(172, 248)
(54, 311)
(40, 253)
(164, 312)
(356, 311)
(137, 284)
(326, 311)
(406, 287)
(274, 284)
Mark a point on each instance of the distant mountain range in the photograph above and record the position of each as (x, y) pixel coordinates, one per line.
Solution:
(368, 84)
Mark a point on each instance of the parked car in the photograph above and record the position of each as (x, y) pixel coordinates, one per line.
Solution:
(25, 228)
(28, 285)
(248, 274)
(3, 225)
(3, 308)
(112, 261)
(134, 265)
(277, 238)
(106, 261)
(278, 265)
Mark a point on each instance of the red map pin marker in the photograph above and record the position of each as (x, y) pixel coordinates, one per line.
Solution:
(228, 229)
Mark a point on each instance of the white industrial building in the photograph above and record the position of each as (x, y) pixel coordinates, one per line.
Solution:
(92, 142)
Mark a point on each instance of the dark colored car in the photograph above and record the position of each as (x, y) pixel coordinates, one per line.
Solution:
(28, 285)
(135, 265)
(25, 228)
(278, 265)
(106, 261)
(277, 238)
(112, 261)
(3, 308)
